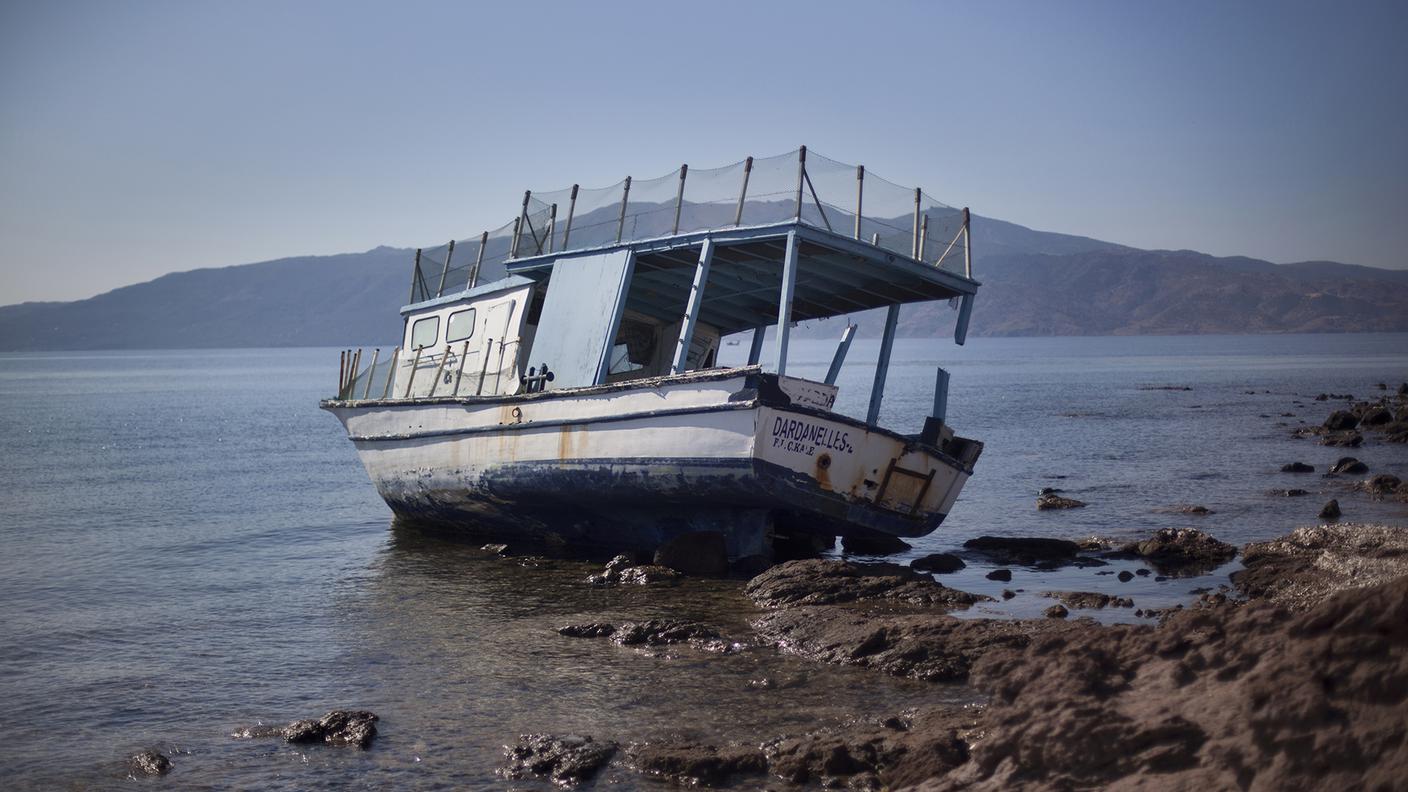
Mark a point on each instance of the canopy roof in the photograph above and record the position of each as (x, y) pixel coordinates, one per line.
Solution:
(836, 275)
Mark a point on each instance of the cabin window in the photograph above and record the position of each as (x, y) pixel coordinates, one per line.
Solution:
(460, 326)
(634, 348)
(425, 332)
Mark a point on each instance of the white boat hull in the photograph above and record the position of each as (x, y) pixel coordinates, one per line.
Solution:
(628, 466)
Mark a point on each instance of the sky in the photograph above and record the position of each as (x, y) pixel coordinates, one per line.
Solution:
(140, 137)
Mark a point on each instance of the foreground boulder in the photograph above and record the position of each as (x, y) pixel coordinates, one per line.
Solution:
(149, 763)
(939, 563)
(816, 581)
(1221, 697)
(566, 759)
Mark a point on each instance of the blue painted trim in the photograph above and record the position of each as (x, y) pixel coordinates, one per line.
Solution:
(502, 284)
(632, 416)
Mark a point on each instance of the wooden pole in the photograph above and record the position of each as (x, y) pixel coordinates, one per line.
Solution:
(341, 373)
(743, 191)
(449, 254)
(371, 373)
(784, 303)
(352, 372)
(840, 357)
(484, 369)
(415, 276)
(860, 195)
(691, 311)
(679, 198)
(439, 370)
(923, 236)
(571, 210)
(801, 175)
(478, 260)
(518, 227)
(391, 371)
(914, 247)
(621, 222)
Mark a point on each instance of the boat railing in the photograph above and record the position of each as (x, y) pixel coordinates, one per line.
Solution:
(452, 370)
(798, 186)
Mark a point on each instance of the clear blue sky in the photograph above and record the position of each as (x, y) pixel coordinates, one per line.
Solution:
(138, 138)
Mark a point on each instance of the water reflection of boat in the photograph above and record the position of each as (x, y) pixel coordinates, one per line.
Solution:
(573, 396)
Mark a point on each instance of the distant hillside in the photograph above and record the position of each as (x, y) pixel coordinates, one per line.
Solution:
(1034, 283)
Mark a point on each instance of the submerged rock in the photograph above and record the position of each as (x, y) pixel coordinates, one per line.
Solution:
(339, 727)
(1341, 420)
(149, 763)
(1045, 502)
(1125, 576)
(662, 632)
(1288, 493)
(695, 763)
(1345, 439)
(940, 563)
(566, 759)
(1056, 612)
(1025, 550)
(1089, 599)
(1376, 416)
(588, 630)
(1382, 484)
(1182, 550)
(874, 544)
(815, 581)
(619, 571)
(1001, 575)
(1349, 465)
(698, 553)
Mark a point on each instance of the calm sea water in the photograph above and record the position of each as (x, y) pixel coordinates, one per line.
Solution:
(191, 546)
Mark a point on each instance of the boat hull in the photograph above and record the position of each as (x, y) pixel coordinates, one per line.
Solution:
(628, 467)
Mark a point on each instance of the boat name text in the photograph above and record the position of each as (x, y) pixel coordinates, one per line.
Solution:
(804, 437)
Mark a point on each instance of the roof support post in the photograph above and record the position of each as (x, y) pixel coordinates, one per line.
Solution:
(755, 349)
(478, 260)
(571, 210)
(967, 247)
(882, 366)
(860, 195)
(415, 276)
(784, 303)
(625, 196)
(801, 176)
(679, 198)
(965, 312)
(840, 357)
(518, 226)
(691, 311)
(449, 254)
(914, 254)
(743, 191)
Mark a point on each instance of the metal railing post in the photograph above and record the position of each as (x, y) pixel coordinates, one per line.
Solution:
(449, 254)
(923, 236)
(571, 210)
(518, 226)
(415, 276)
(552, 225)
(801, 176)
(371, 373)
(743, 191)
(679, 198)
(478, 259)
(914, 247)
(967, 245)
(625, 196)
(415, 363)
(391, 371)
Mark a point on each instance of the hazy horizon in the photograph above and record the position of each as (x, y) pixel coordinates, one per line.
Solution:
(144, 138)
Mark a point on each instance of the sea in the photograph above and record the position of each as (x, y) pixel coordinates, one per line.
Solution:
(189, 546)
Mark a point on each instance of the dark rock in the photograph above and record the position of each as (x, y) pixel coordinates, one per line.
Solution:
(896, 753)
(1088, 599)
(1194, 509)
(662, 632)
(495, 549)
(1403, 389)
(1376, 416)
(1056, 612)
(1323, 397)
(698, 553)
(1382, 484)
(1182, 550)
(1297, 467)
(1331, 510)
(566, 759)
(620, 572)
(1008, 594)
(874, 544)
(1349, 465)
(339, 727)
(1046, 502)
(941, 563)
(1142, 572)
(816, 581)
(1023, 550)
(1343, 439)
(1288, 493)
(149, 763)
(1341, 420)
(588, 630)
(697, 763)
(1049, 491)
(1004, 575)
(1381, 385)
(1125, 576)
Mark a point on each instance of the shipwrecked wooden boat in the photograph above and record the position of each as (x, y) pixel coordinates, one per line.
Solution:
(557, 383)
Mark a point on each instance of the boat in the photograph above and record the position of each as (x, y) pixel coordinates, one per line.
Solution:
(558, 382)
